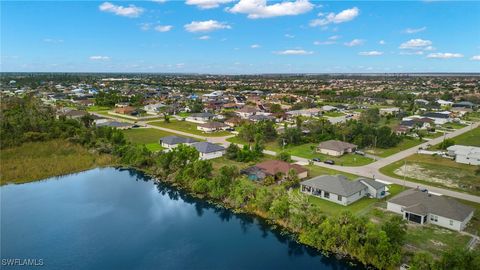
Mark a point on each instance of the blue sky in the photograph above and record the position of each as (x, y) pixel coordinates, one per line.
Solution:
(240, 37)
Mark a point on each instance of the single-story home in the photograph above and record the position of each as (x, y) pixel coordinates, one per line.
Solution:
(338, 189)
(75, 114)
(170, 142)
(389, 111)
(246, 112)
(200, 117)
(125, 110)
(212, 126)
(153, 108)
(233, 122)
(306, 112)
(439, 118)
(335, 148)
(422, 208)
(275, 168)
(261, 117)
(115, 124)
(465, 154)
(209, 150)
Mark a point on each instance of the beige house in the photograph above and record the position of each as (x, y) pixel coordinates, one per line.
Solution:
(335, 148)
(212, 127)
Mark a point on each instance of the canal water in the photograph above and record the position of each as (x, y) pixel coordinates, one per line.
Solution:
(120, 219)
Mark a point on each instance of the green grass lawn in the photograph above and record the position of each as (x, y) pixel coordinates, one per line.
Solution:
(333, 114)
(147, 136)
(188, 127)
(39, 160)
(453, 125)
(306, 151)
(471, 138)
(404, 144)
(183, 114)
(98, 108)
(436, 171)
(434, 135)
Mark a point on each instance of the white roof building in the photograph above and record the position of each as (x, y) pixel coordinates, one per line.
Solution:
(465, 154)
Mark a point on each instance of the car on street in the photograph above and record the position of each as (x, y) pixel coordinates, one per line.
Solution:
(329, 161)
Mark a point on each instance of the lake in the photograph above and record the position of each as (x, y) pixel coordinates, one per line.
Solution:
(120, 219)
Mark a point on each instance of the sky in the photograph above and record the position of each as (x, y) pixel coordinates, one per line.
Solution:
(240, 36)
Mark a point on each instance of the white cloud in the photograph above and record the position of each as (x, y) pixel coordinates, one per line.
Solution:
(159, 1)
(382, 42)
(163, 28)
(289, 36)
(131, 11)
(414, 30)
(411, 52)
(99, 58)
(416, 44)
(328, 42)
(145, 26)
(259, 9)
(207, 4)
(370, 53)
(205, 26)
(334, 37)
(52, 40)
(255, 46)
(204, 37)
(475, 58)
(445, 55)
(293, 52)
(355, 42)
(344, 16)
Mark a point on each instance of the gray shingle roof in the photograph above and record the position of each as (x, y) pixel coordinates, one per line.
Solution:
(336, 145)
(337, 184)
(206, 147)
(375, 184)
(416, 200)
(173, 140)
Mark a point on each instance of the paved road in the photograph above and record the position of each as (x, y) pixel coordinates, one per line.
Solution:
(370, 170)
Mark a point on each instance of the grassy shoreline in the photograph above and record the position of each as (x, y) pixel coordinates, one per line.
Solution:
(35, 161)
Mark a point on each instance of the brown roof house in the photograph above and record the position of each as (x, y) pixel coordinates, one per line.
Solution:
(335, 148)
(275, 168)
(125, 110)
(422, 207)
(247, 111)
(212, 127)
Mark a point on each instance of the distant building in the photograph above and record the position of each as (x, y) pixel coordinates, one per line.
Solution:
(246, 112)
(423, 208)
(115, 124)
(439, 118)
(338, 189)
(275, 168)
(389, 111)
(125, 110)
(335, 148)
(465, 154)
(209, 150)
(212, 126)
(170, 142)
(200, 117)
(153, 108)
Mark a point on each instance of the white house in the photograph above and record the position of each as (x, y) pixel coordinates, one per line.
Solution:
(338, 189)
(153, 108)
(209, 150)
(246, 112)
(465, 154)
(389, 111)
(423, 208)
(212, 126)
(335, 148)
(200, 117)
(170, 142)
(439, 118)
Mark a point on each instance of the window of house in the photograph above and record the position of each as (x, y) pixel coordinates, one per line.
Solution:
(451, 222)
(326, 194)
(360, 193)
(339, 197)
(433, 218)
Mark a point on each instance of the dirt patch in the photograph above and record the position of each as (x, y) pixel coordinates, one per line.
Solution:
(416, 171)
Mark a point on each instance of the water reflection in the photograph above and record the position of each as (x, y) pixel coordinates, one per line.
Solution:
(120, 219)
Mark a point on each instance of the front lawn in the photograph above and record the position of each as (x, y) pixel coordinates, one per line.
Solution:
(333, 114)
(187, 127)
(308, 151)
(403, 145)
(453, 125)
(471, 138)
(436, 171)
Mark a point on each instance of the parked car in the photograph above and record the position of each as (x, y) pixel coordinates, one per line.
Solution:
(361, 153)
(329, 161)
(316, 159)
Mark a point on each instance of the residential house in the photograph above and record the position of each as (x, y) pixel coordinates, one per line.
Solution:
(200, 117)
(233, 122)
(261, 117)
(306, 113)
(444, 103)
(154, 109)
(338, 189)
(128, 110)
(335, 148)
(465, 154)
(75, 114)
(114, 124)
(389, 111)
(209, 150)
(439, 118)
(276, 168)
(170, 142)
(423, 208)
(212, 126)
(246, 112)
(464, 104)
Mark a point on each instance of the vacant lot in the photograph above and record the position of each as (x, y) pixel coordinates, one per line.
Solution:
(404, 144)
(187, 127)
(308, 151)
(471, 138)
(437, 171)
(147, 136)
(39, 160)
